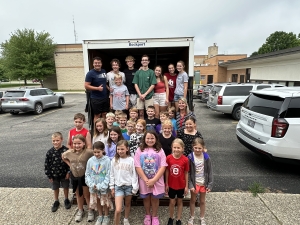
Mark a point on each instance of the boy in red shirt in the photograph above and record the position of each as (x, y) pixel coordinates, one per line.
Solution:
(177, 179)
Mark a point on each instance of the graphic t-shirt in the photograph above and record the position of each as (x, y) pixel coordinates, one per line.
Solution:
(150, 161)
(97, 78)
(151, 124)
(199, 164)
(119, 94)
(129, 75)
(177, 169)
(172, 85)
(111, 78)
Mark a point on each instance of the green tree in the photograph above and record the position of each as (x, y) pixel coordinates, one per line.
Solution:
(28, 55)
(279, 40)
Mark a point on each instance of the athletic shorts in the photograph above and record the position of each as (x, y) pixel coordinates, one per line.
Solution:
(151, 194)
(160, 99)
(60, 182)
(173, 193)
(144, 104)
(200, 189)
(99, 105)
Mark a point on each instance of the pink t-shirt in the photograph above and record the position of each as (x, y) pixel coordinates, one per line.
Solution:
(151, 161)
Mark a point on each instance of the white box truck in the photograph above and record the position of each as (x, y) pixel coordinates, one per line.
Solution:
(162, 51)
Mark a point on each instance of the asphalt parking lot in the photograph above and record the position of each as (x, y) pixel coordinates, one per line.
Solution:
(26, 138)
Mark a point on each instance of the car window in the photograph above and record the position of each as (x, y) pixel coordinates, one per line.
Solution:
(1, 94)
(49, 92)
(34, 93)
(293, 109)
(14, 94)
(207, 88)
(42, 92)
(259, 87)
(264, 104)
(237, 90)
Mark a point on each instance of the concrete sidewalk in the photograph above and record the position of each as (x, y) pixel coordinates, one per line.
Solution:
(33, 206)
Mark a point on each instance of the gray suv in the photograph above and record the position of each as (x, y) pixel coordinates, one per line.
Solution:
(228, 98)
(30, 99)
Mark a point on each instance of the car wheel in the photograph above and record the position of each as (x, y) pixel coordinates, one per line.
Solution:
(236, 112)
(38, 108)
(14, 113)
(60, 103)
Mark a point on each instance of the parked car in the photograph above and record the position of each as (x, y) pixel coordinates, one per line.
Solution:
(4, 80)
(1, 95)
(195, 90)
(205, 92)
(270, 123)
(30, 99)
(200, 90)
(229, 97)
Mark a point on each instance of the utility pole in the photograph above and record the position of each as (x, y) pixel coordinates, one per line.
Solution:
(75, 34)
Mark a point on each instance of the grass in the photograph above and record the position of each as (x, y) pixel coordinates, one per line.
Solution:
(256, 188)
(9, 85)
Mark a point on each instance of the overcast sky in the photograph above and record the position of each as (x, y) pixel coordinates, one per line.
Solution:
(237, 26)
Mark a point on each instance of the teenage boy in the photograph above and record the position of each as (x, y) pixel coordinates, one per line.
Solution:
(151, 121)
(95, 81)
(57, 170)
(144, 81)
(115, 64)
(129, 75)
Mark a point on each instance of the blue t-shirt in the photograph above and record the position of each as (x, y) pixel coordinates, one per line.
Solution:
(96, 78)
(126, 136)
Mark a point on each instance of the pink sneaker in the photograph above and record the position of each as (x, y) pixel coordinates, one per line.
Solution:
(155, 221)
(147, 220)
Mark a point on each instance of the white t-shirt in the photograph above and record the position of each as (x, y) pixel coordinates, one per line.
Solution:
(111, 78)
(199, 164)
(101, 138)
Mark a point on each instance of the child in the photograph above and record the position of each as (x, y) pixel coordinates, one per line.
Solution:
(135, 138)
(133, 114)
(110, 119)
(122, 122)
(115, 135)
(177, 179)
(57, 170)
(119, 96)
(117, 114)
(163, 116)
(172, 114)
(130, 130)
(100, 131)
(151, 121)
(150, 164)
(200, 178)
(123, 180)
(97, 179)
(188, 134)
(79, 120)
(166, 138)
(77, 158)
(181, 83)
(182, 113)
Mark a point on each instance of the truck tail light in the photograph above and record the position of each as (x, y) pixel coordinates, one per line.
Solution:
(220, 100)
(279, 128)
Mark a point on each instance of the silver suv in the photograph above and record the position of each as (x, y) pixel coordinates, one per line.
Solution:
(228, 98)
(30, 99)
(270, 123)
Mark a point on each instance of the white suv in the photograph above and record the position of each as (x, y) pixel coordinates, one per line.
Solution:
(270, 123)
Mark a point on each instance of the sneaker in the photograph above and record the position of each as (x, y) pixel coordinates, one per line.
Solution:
(170, 221)
(99, 220)
(55, 206)
(91, 216)
(202, 221)
(147, 220)
(79, 216)
(191, 221)
(178, 222)
(105, 220)
(126, 222)
(155, 221)
(67, 204)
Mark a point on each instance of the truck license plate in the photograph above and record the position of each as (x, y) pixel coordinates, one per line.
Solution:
(251, 123)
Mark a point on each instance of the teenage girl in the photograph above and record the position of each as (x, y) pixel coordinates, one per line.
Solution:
(123, 180)
(97, 179)
(100, 131)
(200, 178)
(188, 134)
(115, 135)
(171, 77)
(161, 92)
(181, 83)
(183, 112)
(150, 164)
(135, 138)
(176, 179)
(77, 159)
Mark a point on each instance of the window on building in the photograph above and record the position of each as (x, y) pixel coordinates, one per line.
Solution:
(203, 77)
(234, 78)
(220, 61)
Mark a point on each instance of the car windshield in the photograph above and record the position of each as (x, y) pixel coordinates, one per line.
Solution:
(208, 87)
(14, 94)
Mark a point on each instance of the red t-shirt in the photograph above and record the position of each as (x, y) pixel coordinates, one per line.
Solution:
(172, 85)
(177, 169)
(74, 132)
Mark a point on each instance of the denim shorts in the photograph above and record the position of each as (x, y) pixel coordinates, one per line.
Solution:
(177, 97)
(123, 190)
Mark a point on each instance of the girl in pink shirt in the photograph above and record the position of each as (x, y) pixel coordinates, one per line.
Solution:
(150, 164)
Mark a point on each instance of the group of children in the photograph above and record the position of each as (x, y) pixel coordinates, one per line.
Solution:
(153, 158)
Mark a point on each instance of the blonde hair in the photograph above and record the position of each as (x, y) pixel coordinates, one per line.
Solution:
(129, 58)
(198, 141)
(134, 110)
(117, 76)
(187, 106)
(167, 123)
(57, 134)
(178, 141)
(110, 114)
(123, 115)
(118, 112)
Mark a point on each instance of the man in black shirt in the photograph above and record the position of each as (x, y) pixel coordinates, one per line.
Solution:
(129, 75)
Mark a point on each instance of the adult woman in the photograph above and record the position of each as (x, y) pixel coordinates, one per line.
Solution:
(161, 92)
(171, 77)
(183, 113)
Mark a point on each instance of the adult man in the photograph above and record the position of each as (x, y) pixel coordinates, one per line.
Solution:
(95, 81)
(129, 75)
(144, 81)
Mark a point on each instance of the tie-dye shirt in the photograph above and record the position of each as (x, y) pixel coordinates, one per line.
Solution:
(151, 161)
